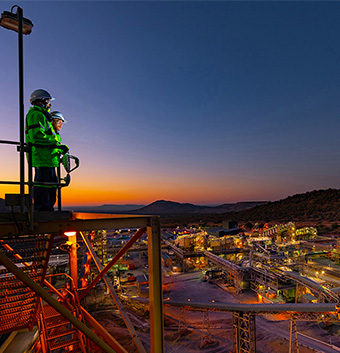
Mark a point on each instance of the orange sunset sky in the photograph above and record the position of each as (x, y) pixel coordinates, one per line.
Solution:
(205, 102)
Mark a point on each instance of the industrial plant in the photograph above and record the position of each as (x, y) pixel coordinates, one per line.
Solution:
(97, 282)
(53, 277)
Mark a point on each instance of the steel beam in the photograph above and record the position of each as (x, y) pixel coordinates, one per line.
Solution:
(72, 241)
(155, 286)
(77, 224)
(244, 333)
(258, 308)
(102, 332)
(293, 332)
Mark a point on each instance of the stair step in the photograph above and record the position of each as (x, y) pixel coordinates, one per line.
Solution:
(19, 309)
(19, 291)
(62, 344)
(10, 318)
(23, 251)
(20, 297)
(16, 304)
(15, 326)
(56, 322)
(12, 281)
(28, 259)
(62, 334)
(50, 312)
(26, 239)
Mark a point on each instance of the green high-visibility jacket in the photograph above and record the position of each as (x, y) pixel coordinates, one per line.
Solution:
(40, 133)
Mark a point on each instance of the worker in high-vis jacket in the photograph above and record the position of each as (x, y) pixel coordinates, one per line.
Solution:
(46, 150)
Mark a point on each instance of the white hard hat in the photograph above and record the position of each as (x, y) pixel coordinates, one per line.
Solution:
(57, 115)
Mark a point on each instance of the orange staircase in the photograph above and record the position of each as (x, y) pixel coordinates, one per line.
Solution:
(58, 335)
(22, 306)
(18, 303)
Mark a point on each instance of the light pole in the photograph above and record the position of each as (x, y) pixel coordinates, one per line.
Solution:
(16, 22)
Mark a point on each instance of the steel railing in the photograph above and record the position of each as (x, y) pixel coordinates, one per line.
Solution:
(24, 201)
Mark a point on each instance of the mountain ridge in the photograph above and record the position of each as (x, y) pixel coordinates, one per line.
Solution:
(160, 207)
(316, 205)
(172, 207)
(313, 206)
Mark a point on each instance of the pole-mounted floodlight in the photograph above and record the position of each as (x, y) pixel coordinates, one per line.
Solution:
(21, 25)
(10, 20)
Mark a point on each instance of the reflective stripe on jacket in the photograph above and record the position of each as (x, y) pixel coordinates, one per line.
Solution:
(40, 133)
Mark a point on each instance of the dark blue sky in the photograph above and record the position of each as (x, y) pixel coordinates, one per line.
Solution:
(202, 102)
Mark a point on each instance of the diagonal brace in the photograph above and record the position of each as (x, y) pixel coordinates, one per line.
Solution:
(120, 253)
(100, 330)
(115, 297)
(4, 260)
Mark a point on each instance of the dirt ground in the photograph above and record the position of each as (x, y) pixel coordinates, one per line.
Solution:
(192, 339)
(188, 331)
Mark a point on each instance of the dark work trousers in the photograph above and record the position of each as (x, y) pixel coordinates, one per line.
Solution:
(45, 197)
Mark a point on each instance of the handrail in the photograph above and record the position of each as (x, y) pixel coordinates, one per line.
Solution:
(6, 142)
(30, 183)
(61, 274)
(23, 147)
(9, 182)
(72, 304)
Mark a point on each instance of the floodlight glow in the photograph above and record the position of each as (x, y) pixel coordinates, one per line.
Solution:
(70, 234)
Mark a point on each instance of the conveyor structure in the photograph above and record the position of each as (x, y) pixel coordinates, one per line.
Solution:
(225, 264)
(321, 290)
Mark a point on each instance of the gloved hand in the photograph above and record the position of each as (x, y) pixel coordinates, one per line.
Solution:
(63, 148)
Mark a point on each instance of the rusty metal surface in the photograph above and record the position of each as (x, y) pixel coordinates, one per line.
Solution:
(18, 303)
(54, 303)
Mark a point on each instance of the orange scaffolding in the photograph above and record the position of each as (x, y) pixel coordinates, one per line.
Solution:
(62, 322)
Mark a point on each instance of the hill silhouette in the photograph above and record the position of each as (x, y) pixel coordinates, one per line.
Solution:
(317, 205)
(162, 207)
(314, 207)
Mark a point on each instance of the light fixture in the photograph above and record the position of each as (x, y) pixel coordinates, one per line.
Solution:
(70, 233)
(9, 20)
